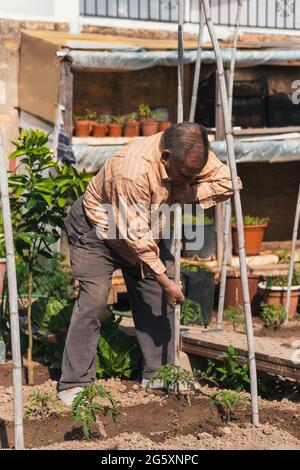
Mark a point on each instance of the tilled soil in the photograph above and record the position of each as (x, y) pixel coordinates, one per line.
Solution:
(155, 421)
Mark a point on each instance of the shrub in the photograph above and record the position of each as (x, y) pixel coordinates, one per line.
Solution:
(273, 315)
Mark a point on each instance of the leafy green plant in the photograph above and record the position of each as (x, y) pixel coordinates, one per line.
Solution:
(284, 256)
(192, 219)
(252, 220)
(42, 405)
(131, 117)
(118, 120)
(190, 312)
(235, 316)
(174, 378)
(40, 202)
(195, 268)
(90, 115)
(85, 406)
(230, 370)
(145, 112)
(118, 354)
(282, 281)
(273, 315)
(226, 402)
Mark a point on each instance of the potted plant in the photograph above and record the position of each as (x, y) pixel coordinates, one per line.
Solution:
(192, 223)
(162, 118)
(132, 125)
(199, 286)
(82, 126)
(99, 126)
(254, 229)
(149, 124)
(115, 128)
(274, 290)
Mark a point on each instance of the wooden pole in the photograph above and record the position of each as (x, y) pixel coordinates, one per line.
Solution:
(180, 61)
(233, 56)
(227, 216)
(226, 241)
(197, 66)
(219, 209)
(13, 304)
(238, 211)
(292, 260)
(178, 209)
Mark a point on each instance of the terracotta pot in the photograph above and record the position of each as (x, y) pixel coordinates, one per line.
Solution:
(150, 128)
(82, 128)
(164, 125)
(2, 273)
(136, 126)
(129, 131)
(115, 130)
(254, 235)
(234, 293)
(276, 295)
(99, 129)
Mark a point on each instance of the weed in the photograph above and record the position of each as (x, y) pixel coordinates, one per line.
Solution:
(42, 405)
(235, 316)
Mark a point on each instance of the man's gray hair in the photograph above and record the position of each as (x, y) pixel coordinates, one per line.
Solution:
(183, 138)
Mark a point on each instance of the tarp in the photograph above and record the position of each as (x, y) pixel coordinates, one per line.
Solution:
(92, 157)
(127, 60)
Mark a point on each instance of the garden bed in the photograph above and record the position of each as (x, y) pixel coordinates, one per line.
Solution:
(156, 421)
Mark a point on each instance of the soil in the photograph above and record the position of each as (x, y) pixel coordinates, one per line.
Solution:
(156, 421)
(41, 374)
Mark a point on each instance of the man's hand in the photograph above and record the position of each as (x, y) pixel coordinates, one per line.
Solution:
(173, 291)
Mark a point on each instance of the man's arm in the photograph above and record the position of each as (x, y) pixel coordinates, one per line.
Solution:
(135, 199)
(214, 183)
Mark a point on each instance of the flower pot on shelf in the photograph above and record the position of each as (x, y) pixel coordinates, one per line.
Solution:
(276, 295)
(82, 128)
(254, 235)
(115, 130)
(2, 273)
(129, 131)
(234, 292)
(149, 128)
(135, 125)
(163, 125)
(99, 129)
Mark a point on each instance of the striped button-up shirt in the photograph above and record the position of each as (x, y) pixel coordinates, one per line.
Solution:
(135, 177)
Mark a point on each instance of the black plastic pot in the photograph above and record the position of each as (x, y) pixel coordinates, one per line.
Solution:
(209, 247)
(200, 287)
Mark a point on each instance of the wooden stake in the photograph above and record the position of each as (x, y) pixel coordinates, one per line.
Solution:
(178, 210)
(227, 216)
(238, 210)
(180, 61)
(292, 260)
(197, 66)
(13, 303)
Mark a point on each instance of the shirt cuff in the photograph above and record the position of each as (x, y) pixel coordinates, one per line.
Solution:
(156, 266)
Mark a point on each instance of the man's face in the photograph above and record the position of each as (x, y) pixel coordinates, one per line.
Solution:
(185, 171)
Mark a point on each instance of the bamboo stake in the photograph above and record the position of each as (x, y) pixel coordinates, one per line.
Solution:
(177, 252)
(180, 61)
(178, 210)
(197, 66)
(292, 260)
(227, 216)
(226, 241)
(233, 56)
(238, 211)
(13, 304)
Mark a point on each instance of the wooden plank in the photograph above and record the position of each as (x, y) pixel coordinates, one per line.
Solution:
(271, 356)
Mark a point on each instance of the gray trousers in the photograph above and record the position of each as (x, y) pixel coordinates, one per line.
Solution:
(93, 263)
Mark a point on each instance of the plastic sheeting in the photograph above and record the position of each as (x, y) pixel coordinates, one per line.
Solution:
(93, 157)
(124, 60)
